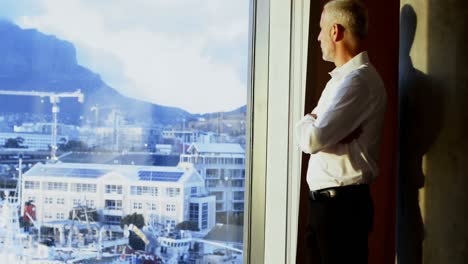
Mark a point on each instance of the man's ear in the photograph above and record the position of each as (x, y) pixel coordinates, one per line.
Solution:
(337, 32)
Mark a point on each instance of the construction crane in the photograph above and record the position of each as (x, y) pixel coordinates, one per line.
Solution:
(54, 100)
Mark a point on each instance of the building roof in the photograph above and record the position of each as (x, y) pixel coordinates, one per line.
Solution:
(94, 171)
(216, 148)
(226, 233)
(129, 158)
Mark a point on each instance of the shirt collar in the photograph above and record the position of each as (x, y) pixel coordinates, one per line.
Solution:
(351, 65)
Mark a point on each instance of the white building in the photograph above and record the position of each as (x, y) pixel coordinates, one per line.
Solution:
(162, 194)
(33, 140)
(46, 128)
(222, 166)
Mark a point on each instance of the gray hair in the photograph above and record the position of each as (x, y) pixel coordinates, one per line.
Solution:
(351, 14)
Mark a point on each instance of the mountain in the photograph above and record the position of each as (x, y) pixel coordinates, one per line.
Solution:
(33, 61)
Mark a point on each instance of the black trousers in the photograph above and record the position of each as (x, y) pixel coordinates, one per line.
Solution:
(338, 228)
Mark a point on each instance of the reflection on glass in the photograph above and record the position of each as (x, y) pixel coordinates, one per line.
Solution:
(122, 131)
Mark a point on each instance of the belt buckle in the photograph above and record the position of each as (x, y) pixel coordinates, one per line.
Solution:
(331, 193)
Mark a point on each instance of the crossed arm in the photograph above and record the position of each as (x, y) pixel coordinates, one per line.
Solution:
(350, 137)
(338, 123)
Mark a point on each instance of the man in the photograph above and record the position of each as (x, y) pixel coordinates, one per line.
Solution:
(342, 134)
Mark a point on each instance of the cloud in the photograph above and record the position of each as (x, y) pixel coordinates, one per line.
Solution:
(186, 53)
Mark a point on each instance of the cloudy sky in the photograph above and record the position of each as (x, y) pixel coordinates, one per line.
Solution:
(190, 54)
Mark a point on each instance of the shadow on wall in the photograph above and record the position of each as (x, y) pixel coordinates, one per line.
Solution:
(421, 112)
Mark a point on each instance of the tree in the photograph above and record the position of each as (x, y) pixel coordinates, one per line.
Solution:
(136, 219)
(73, 145)
(187, 225)
(14, 143)
(139, 221)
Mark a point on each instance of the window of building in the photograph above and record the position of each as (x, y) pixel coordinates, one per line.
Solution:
(212, 173)
(60, 216)
(238, 196)
(144, 190)
(115, 189)
(137, 205)
(83, 187)
(204, 216)
(212, 183)
(172, 192)
(55, 186)
(60, 200)
(193, 212)
(219, 195)
(32, 185)
(239, 161)
(152, 206)
(112, 220)
(193, 190)
(237, 183)
(238, 206)
(48, 200)
(113, 204)
(170, 207)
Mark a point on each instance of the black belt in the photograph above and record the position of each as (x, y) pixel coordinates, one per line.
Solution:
(340, 191)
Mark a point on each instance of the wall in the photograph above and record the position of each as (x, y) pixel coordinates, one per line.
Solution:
(433, 146)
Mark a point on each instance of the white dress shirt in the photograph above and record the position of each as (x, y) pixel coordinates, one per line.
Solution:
(354, 97)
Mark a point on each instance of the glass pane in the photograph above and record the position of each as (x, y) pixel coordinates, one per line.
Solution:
(123, 128)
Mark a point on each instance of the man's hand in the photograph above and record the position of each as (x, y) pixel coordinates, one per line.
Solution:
(352, 136)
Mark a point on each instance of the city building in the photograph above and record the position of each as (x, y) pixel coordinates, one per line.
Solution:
(163, 195)
(34, 141)
(46, 128)
(122, 137)
(222, 167)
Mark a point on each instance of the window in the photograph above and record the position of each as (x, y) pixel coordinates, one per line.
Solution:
(112, 220)
(172, 192)
(109, 128)
(171, 223)
(238, 196)
(170, 207)
(31, 185)
(212, 183)
(212, 173)
(237, 183)
(219, 195)
(83, 187)
(239, 161)
(193, 212)
(60, 216)
(144, 190)
(204, 216)
(76, 202)
(48, 200)
(152, 206)
(114, 189)
(137, 205)
(55, 186)
(113, 204)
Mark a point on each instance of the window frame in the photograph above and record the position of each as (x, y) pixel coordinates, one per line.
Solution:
(277, 68)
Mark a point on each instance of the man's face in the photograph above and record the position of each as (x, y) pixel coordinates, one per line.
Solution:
(324, 37)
